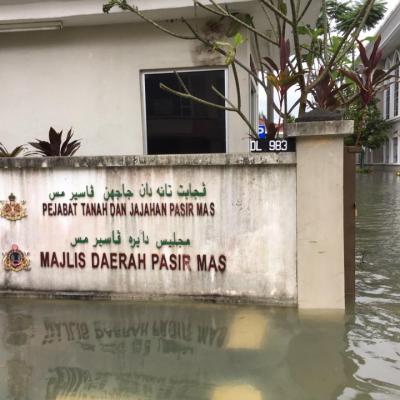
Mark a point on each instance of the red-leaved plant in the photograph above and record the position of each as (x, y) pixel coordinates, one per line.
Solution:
(55, 147)
(369, 79)
(281, 77)
(326, 93)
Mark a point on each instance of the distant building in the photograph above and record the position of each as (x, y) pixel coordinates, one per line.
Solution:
(389, 153)
(66, 64)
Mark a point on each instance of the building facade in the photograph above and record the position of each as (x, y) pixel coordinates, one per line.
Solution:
(66, 64)
(389, 153)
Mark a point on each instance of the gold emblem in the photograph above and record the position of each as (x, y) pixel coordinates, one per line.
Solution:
(16, 260)
(12, 210)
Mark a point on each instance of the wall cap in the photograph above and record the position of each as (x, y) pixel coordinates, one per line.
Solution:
(320, 128)
(236, 159)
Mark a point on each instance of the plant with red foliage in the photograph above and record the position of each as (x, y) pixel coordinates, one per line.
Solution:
(55, 147)
(280, 77)
(368, 79)
(326, 92)
(14, 153)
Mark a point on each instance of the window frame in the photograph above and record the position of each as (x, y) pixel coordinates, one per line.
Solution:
(387, 152)
(145, 72)
(254, 111)
(395, 149)
(396, 86)
(387, 93)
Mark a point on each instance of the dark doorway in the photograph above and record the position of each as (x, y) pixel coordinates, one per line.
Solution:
(176, 125)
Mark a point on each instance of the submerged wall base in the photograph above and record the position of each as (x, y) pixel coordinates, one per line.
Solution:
(99, 296)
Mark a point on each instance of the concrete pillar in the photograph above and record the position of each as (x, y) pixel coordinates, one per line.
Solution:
(320, 243)
(351, 153)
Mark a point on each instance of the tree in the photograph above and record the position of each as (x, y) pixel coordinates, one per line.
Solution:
(375, 129)
(343, 14)
(318, 65)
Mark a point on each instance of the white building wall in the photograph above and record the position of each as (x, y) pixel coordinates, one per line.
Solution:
(89, 78)
(385, 155)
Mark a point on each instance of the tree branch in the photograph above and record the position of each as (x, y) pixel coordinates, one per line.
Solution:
(238, 111)
(296, 103)
(125, 6)
(194, 98)
(304, 11)
(276, 11)
(362, 16)
(296, 42)
(238, 94)
(225, 13)
(270, 22)
(224, 53)
(187, 95)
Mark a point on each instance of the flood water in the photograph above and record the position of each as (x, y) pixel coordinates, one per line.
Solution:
(59, 350)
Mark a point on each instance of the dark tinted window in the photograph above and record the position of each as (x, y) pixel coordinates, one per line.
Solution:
(176, 125)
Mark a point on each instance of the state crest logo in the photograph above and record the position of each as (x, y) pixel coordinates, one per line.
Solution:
(12, 210)
(16, 260)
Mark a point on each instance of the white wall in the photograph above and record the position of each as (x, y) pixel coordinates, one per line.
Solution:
(89, 79)
(88, 12)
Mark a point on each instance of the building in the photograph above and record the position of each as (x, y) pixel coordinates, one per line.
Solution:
(388, 154)
(66, 64)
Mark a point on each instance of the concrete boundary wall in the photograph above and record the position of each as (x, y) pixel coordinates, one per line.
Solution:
(147, 161)
(264, 227)
(207, 226)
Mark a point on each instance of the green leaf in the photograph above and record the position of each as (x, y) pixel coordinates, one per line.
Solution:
(234, 26)
(238, 39)
(303, 30)
(273, 81)
(335, 42)
(310, 59)
(290, 80)
(282, 7)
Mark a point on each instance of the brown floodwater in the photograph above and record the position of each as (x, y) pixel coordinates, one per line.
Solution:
(70, 350)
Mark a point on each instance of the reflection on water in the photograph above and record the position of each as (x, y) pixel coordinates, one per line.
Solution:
(97, 350)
